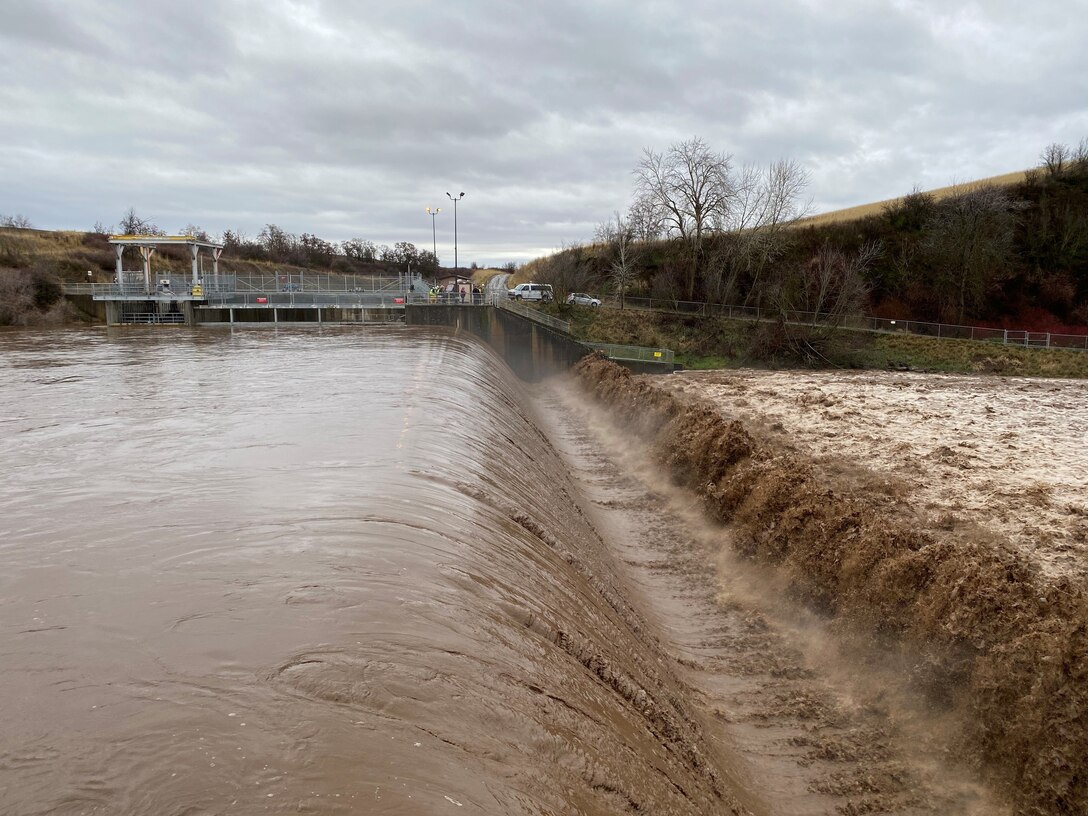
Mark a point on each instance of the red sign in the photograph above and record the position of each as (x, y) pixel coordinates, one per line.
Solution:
(398, 300)
(262, 300)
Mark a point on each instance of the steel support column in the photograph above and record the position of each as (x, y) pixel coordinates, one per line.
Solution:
(216, 252)
(147, 252)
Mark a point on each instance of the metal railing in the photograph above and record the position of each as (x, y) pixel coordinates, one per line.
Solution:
(483, 298)
(879, 324)
(137, 291)
(152, 317)
(641, 353)
(302, 300)
(182, 286)
(294, 282)
(1045, 340)
(530, 313)
(613, 351)
(365, 300)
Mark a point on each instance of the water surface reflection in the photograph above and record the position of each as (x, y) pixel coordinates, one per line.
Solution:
(318, 572)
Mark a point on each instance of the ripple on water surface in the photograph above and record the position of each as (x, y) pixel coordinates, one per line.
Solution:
(313, 572)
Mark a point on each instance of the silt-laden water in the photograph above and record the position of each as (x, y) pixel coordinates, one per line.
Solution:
(315, 572)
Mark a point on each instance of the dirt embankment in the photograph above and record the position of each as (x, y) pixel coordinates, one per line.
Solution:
(989, 635)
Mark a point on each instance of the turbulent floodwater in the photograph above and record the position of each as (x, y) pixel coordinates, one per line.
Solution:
(313, 572)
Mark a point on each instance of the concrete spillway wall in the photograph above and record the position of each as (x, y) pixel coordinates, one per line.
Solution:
(532, 350)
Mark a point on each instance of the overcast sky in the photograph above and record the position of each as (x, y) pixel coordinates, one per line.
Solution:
(346, 118)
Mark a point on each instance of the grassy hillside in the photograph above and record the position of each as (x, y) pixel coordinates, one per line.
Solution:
(879, 207)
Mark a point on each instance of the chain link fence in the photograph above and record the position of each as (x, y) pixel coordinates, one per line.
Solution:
(1018, 337)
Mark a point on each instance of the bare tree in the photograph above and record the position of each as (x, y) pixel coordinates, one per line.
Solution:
(232, 240)
(689, 186)
(16, 221)
(359, 250)
(16, 297)
(605, 232)
(277, 242)
(970, 240)
(624, 253)
(1080, 156)
(1055, 158)
(765, 237)
(765, 203)
(132, 224)
(1059, 158)
(831, 285)
(785, 182)
(645, 219)
(193, 231)
(814, 301)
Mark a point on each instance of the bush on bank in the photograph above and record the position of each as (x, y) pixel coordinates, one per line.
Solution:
(30, 297)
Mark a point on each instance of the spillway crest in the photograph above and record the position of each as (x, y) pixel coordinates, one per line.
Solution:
(312, 572)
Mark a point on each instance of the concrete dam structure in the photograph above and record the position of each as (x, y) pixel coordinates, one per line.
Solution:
(409, 569)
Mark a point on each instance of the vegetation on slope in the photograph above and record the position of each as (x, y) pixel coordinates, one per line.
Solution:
(717, 342)
(1012, 255)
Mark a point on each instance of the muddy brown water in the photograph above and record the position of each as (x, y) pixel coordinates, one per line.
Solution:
(349, 572)
(313, 572)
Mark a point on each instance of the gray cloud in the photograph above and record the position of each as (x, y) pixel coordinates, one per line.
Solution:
(347, 119)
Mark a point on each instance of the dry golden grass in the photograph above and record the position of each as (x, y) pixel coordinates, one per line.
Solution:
(65, 254)
(876, 208)
(528, 272)
(43, 243)
(481, 276)
(69, 254)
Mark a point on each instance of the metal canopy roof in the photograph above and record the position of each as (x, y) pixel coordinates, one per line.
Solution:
(162, 240)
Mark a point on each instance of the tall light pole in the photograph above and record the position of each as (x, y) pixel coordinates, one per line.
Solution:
(456, 266)
(434, 241)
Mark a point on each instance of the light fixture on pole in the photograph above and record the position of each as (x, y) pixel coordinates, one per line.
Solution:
(434, 241)
(455, 200)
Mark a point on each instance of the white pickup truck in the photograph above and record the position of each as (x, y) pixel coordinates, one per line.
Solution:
(531, 291)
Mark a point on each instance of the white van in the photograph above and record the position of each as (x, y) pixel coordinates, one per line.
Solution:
(531, 291)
